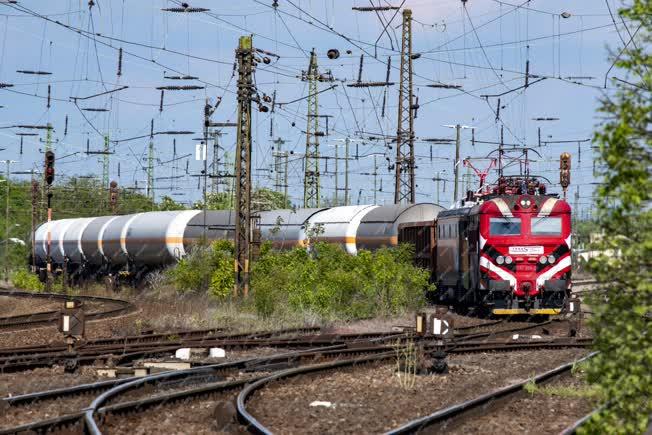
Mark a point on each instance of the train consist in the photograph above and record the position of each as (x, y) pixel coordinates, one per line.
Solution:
(505, 250)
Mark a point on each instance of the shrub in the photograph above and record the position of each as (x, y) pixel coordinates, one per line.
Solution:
(24, 279)
(332, 283)
(205, 268)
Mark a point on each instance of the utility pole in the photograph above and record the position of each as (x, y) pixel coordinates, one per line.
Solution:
(311, 175)
(347, 142)
(404, 187)
(576, 205)
(278, 155)
(375, 180)
(215, 188)
(150, 165)
(337, 185)
(105, 163)
(285, 176)
(457, 162)
(456, 167)
(204, 150)
(243, 230)
(8, 162)
(48, 147)
(35, 214)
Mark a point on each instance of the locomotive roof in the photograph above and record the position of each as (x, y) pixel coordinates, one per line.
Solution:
(560, 205)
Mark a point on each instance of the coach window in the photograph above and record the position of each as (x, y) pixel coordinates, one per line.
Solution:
(502, 226)
(546, 226)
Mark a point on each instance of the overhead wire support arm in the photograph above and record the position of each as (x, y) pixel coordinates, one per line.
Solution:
(101, 93)
(513, 90)
(374, 8)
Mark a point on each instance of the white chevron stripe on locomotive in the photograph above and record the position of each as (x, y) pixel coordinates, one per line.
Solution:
(484, 262)
(503, 207)
(547, 207)
(561, 265)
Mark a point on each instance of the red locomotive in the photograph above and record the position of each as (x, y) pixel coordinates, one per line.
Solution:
(509, 251)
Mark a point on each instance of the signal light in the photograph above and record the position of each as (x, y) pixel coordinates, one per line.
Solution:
(564, 169)
(113, 194)
(49, 167)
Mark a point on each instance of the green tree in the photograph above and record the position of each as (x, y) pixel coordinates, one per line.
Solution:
(262, 199)
(169, 204)
(71, 198)
(266, 199)
(621, 321)
(216, 201)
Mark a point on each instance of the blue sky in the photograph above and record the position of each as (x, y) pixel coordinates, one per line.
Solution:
(483, 49)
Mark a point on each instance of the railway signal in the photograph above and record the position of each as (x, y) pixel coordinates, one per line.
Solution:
(48, 175)
(49, 167)
(72, 322)
(574, 312)
(113, 195)
(564, 171)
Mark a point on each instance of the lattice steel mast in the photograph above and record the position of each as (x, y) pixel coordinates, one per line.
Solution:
(150, 164)
(243, 230)
(311, 177)
(404, 187)
(105, 163)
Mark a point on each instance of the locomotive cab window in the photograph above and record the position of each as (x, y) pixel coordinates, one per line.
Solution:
(504, 226)
(546, 226)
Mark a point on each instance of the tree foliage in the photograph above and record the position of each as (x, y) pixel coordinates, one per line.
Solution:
(169, 204)
(331, 283)
(72, 198)
(621, 322)
(262, 199)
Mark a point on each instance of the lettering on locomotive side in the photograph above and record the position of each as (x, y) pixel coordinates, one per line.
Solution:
(525, 250)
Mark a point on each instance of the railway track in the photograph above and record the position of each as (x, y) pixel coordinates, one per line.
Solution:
(255, 426)
(114, 308)
(125, 350)
(447, 418)
(286, 364)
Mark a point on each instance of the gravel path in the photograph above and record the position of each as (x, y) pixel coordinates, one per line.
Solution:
(369, 399)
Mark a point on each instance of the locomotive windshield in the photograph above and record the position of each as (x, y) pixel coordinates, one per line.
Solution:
(504, 226)
(546, 226)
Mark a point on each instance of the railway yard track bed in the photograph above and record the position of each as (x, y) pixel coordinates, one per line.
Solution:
(550, 408)
(369, 399)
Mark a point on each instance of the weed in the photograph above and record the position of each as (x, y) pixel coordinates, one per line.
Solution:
(406, 363)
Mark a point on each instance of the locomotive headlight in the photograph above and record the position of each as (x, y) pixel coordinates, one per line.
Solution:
(526, 203)
(551, 259)
(500, 259)
(508, 260)
(543, 259)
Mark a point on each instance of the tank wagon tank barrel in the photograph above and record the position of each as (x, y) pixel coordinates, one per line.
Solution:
(137, 243)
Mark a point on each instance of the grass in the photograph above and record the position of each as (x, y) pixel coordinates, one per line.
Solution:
(584, 391)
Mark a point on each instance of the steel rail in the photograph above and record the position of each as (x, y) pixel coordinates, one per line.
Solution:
(267, 363)
(255, 426)
(572, 429)
(52, 317)
(455, 411)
